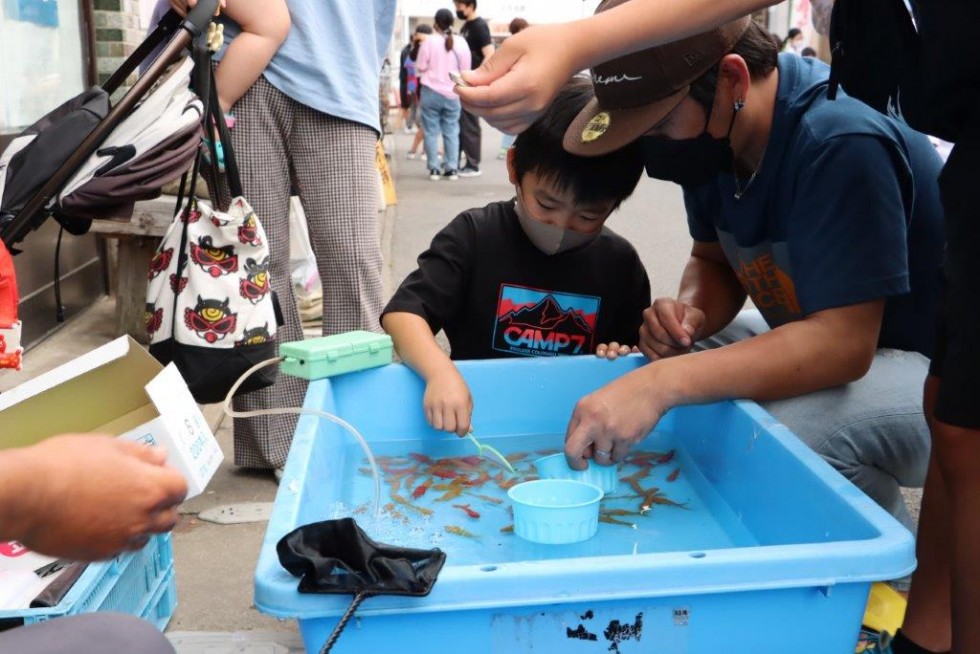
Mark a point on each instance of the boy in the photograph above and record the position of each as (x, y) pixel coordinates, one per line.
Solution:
(533, 276)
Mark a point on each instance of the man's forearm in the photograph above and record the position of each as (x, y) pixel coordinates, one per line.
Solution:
(795, 359)
(641, 24)
(16, 496)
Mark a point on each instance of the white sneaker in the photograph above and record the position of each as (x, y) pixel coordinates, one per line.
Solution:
(412, 155)
(434, 175)
(450, 175)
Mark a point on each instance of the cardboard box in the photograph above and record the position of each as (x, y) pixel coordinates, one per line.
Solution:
(117, 389)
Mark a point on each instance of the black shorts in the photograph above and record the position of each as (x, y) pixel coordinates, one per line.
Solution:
(957, 354)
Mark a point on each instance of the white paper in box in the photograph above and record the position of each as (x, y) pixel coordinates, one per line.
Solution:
(181, 427)
(117, 389)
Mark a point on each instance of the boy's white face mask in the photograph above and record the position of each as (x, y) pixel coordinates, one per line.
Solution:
(550, 239)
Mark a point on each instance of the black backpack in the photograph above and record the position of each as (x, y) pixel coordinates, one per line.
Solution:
(876, 58)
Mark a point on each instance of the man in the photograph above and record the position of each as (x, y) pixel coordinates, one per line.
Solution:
(477, 34)
(825, 213)
(947, 581)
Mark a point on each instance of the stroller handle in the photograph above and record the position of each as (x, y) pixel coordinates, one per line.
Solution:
(200, 15)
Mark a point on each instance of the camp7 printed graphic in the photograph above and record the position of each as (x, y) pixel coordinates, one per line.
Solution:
(536, 322)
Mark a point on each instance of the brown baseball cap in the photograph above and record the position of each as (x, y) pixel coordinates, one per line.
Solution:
(635, 92)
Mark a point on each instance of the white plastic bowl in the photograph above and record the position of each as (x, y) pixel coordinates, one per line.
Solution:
(555, 511)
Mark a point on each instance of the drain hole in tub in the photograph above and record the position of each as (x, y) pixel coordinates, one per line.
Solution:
(488, 568)
(697, 555)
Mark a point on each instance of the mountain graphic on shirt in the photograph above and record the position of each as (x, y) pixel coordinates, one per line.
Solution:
(548, 315)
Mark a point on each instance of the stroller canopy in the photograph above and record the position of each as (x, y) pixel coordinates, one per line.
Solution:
(152, 147)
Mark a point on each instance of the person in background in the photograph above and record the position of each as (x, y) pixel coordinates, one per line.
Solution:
(477, 34)
(542, 264)
(945, 595)
(87, 497)
(408, 82)
(507, 140)
(793, 41)
(311, 122)
(808, 52)
(439, 55)
(421, 32)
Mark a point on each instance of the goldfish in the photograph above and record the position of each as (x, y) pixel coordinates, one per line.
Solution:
(635, 485)
(421, 458)
(666, 458)
(481, 479)
(408, 505)
(673, 476)
(619, 512)
(516, 456)
(459, 531)
(472, 460)
(421, 488)
(452, 493)
(507, 529)
(445, 474)
(487, 498)
(610, 520)
(467, 510)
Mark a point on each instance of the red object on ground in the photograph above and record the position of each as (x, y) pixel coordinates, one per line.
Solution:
(10, 349)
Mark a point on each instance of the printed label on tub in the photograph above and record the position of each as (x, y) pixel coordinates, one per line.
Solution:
(626, 630)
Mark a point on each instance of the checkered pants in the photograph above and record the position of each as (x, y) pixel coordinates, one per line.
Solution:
(281, 144)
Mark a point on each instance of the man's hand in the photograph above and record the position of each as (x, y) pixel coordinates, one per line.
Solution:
(607, 422)
(669, 328)
(447, 402)
(517, 83)
(87, 497)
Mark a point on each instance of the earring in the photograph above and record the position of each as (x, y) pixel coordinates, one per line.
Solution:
(739, 105)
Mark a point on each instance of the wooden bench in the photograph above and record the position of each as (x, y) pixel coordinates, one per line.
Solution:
(138, 240)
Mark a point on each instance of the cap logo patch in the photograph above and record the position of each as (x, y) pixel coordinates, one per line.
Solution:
(694, 57)
(615, 79)
(596, 127)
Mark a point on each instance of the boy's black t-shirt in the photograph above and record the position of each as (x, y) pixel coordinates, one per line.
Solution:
(496, 295)
(477, 35)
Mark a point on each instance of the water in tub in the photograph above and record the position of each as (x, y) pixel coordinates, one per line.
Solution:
(437, 492)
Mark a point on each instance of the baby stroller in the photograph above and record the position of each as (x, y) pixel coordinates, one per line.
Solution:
(92, 159)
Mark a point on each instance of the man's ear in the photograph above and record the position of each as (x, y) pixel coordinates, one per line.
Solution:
(511, 168)
(733, 73)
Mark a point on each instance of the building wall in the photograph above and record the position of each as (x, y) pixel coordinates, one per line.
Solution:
(118, 32)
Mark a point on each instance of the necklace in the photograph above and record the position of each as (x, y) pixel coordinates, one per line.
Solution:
(739, 189)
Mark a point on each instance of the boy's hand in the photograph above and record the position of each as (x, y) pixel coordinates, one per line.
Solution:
(669, 328)
(447, 403)
(614, 350)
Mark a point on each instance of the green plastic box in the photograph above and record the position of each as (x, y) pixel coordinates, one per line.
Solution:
(327, 356)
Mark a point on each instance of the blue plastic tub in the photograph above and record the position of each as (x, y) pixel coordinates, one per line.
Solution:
(138, 583)
(770, 550)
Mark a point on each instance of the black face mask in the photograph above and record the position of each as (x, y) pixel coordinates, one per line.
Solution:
(460, 15)
(689, 162)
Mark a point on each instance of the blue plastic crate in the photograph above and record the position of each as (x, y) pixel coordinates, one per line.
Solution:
(138, 583)
(775, 552)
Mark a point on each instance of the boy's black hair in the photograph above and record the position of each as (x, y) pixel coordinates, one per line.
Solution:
(758, 50)
(590, 180)
(468, 3)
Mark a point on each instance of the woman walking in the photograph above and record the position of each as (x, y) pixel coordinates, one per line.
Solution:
(439, 55)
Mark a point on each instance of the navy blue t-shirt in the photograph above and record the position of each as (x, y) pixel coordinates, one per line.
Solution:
(844, 209)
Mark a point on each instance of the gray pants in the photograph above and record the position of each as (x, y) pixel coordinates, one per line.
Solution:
(280, 144)
(470, 138)
(872, 431)
(89, 633)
